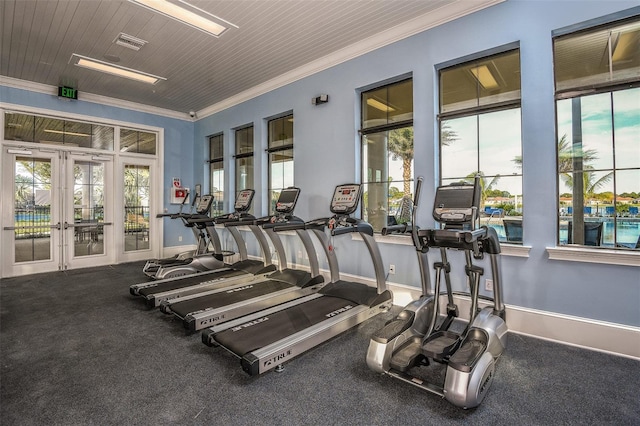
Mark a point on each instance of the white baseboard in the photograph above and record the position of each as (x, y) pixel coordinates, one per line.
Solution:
(616, 339)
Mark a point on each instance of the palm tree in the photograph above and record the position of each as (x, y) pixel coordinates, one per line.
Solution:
(400, 146)
(566, 154)
(485, 184)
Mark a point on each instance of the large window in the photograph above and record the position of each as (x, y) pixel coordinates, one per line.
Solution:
(597, 78)
(387, 153)
(216, 173)
(244, 159)
(480, 134)
(280, 151)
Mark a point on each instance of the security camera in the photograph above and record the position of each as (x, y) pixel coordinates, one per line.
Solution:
(192, 114)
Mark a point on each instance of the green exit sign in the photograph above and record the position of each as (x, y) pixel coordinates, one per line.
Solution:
(67, 92)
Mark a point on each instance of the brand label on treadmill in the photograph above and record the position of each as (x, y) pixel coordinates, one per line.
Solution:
(212, 320)
(277, 359)
(233, 290)
(249, 324)
(338, 311)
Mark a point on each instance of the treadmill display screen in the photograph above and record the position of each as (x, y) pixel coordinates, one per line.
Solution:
(345, 199)
(287, 200)
(243, 200)
(204, 204)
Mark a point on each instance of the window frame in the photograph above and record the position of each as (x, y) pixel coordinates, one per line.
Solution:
(271, 189)
(367, 213)
(482, 110)
(579, 91)
(244, 155)
(218, 205)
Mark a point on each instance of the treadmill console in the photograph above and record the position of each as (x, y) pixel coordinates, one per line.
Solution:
(204, 204)
(456, 204)
(345, 198)
(287, 200)
(243, 200)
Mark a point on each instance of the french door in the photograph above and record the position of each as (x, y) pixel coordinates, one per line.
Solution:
(57, 210)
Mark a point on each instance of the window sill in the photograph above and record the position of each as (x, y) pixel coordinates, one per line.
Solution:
(582, 254)
(506, 249)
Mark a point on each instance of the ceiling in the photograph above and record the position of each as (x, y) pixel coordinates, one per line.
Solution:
(276, 42)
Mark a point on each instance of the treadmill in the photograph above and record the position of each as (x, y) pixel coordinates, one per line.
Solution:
(267, 339)
(202, 206)
(233, 301)
(155, 292)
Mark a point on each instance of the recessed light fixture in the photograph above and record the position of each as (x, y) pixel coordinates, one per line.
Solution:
(199, 19)
(484, 76)
(62, 132)
(96, 65)
(379, 105)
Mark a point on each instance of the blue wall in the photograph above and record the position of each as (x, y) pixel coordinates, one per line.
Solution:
(327, 154)
(178, 141)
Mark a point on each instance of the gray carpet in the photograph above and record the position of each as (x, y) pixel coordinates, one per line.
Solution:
(77, 349)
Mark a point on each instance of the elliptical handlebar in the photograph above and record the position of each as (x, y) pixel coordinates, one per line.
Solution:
(397, 229)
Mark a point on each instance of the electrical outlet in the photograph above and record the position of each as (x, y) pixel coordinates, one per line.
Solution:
(180, 238)
(488, 285)
(392, 269)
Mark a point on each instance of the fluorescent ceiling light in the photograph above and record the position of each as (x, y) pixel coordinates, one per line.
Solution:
(379, 105)
(484, 76)
(194, 20)
(96, 65)
(62, 132)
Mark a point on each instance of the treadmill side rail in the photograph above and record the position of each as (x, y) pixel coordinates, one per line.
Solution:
(273, 355)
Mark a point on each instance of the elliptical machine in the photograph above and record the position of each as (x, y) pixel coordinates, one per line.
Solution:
(419, 337)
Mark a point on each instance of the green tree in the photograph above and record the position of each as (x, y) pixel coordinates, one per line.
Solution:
(486, 185)
(400, 146)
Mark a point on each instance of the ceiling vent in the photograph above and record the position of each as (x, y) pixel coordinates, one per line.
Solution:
(129, 41)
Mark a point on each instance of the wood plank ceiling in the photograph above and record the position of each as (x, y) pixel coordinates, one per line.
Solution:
(273, 38)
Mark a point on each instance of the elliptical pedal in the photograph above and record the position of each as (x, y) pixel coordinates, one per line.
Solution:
(408, 356)
(440, 345)
(466, 357)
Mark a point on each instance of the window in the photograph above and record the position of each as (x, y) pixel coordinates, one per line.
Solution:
(137, 141)
(480, 133)
(387, 153)
(216, 173)
(56, 131)
(244, 159)
(597, 79)
(280, 151)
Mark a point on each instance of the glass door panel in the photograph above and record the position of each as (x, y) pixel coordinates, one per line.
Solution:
(31, 218)
(137, 188)
(87, 210)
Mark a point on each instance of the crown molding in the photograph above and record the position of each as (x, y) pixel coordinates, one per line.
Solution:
(90, 97)
(414, 26)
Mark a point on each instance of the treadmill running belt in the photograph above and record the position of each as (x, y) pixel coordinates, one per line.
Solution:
(188, 282)
(228, 297)
(263, 331)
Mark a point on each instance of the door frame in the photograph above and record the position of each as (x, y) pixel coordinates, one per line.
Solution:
(156, 230)
(7, 166)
